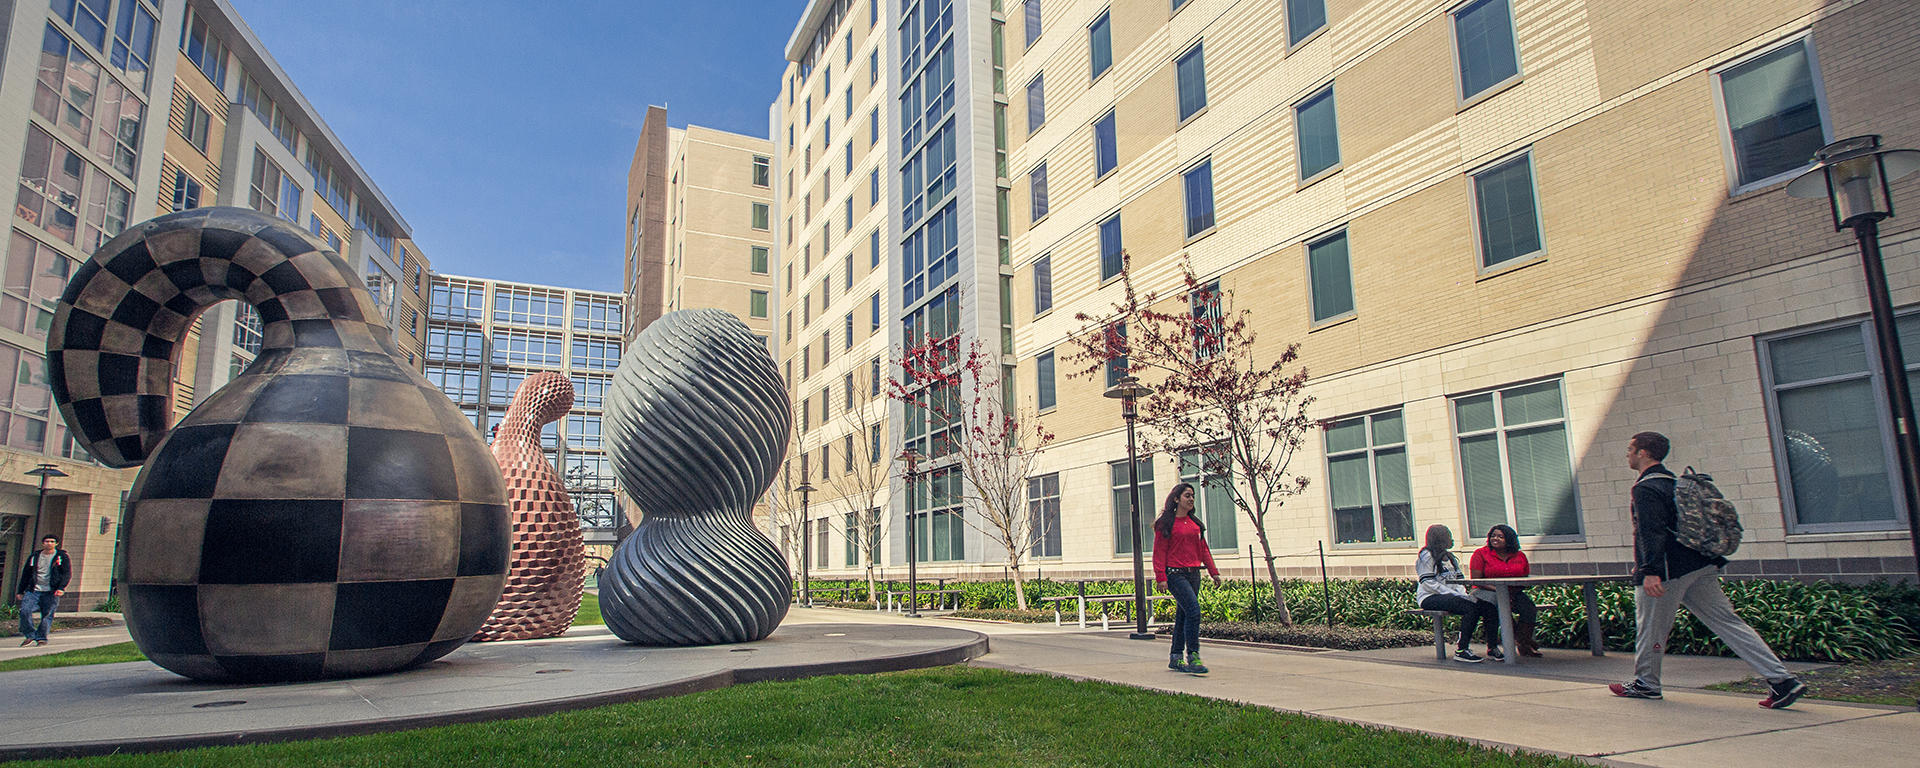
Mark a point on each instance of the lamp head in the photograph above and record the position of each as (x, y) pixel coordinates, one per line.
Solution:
(1855, 175)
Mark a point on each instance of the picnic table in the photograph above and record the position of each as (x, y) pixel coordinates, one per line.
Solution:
(1589, 591)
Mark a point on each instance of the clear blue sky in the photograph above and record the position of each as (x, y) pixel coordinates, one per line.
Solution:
(502, 131)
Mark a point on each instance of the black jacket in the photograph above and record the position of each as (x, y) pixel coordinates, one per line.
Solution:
(61, 572)
(1655, 518)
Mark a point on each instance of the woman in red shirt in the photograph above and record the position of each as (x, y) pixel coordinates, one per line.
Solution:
(1179, 552)
(1501, 558)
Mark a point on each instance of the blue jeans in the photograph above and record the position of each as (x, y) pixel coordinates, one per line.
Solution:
(43, 603)
(1185, 586)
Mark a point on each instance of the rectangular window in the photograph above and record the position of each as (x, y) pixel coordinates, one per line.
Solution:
(1043, 515)
(873, 309)
(595, 354)
(1304, 17)
(1044, 393)
(873, 249)
(195, 125)
(1123, 507)
(762, 171)
(1831, 431)
(1037, 191)
(1331, 276)
(1106, 147)
(1368, 482)
(760, 216)
(873, 187)
(873, 63)
(1117, 367)
(758, 260)
(850, 523)
(848, 333)
(1191, 76)
(1483, 42)
(1043, 284)
(757, 304)
(273, 192)
(1208, 330)
(1037, 102)
(1505, 211)
(936, 506)
(1515, 467)
(1100, 44)
(876, 382)
(1772, 108)
(1112, 252)
(1198, 188)
(1032, 21)
(206, 51)
(1319, 134)
(186, 192)
(1211, 475)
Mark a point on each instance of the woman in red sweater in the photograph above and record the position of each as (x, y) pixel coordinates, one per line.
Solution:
(1501, 558)
(1179, 552)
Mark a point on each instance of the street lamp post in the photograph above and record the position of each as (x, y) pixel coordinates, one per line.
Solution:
(806, 544)
(44, 472)
(1855, 175)
(912, 458)
(1128, 390)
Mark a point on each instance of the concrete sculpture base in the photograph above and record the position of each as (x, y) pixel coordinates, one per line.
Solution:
(548, 566)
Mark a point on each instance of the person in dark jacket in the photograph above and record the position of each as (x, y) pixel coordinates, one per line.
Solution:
(42, 582)
(1670, 574)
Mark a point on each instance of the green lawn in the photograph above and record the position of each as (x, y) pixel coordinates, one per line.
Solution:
(589, 611)
(106, 654)
(953, 716)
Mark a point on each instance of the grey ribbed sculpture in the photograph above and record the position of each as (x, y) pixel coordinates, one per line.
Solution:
(697, 423)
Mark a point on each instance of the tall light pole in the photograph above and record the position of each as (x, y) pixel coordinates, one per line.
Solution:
(912, 458)
(1855, 175)
(806, 543)
(43, 472)
(1128, 390)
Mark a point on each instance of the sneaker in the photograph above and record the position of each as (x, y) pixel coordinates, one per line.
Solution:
(1784, 693)
(1494, 652)
(1466, 656)
(1176, 664)
(39, 642)
(1194, 666)
(1634, 690)
(26, 642)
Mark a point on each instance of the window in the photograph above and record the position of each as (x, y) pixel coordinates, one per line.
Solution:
(936, 505)
(873, 450)
(1514, 463)
(1830, 430)
(1037, 191)
(462, 385)
(760, 216)
(847, 386)
(535, 349)
(758, 259)
(1197, 184)
(876, 382)
(1483, 43)
(186, 192)
(248, 333)
(206, 51)
(1044, 395)
(1100, 44)
(273, 192)
(529, 306)
(458, 301)
(1208, 330)
(762, 171)
(1508, 220)
(97, 113)
(757, 304)
(873, 120)
(1773, 113)
(1331, 277)
(1117, 368)
(1031, 12)
(1319, 134)
(1043, 284)
(873, 309)
(195, 124)
(1211, 475)
(848, 334)
(1191, 77)
(1304, 17)
(597, 315)
(1106, 147)
(1368, 481)
(1112, 252)
(455, 345)
(1123, 509)
(873, 188)
(1037, 102)
(583, 431)
(590, 392)
(852, 524)
(826, 412)
(873, 249)
(873, 63)
(133, 42)
(1043, 515)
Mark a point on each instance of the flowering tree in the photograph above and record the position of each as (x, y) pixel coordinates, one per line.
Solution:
(868, 456)
(962, 398)
(1210, 393)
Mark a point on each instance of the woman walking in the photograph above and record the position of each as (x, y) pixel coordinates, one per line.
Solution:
(1438, 569)
(1501, 558)
(1179, 552)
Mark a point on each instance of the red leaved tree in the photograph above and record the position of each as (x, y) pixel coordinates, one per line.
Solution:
(1210, 393)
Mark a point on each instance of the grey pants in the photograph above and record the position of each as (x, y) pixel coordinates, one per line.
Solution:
(1700, 592)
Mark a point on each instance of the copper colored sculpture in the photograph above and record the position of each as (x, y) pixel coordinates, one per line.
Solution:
(548, 563)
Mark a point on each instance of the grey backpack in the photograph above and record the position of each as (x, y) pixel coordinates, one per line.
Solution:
(1706, 522)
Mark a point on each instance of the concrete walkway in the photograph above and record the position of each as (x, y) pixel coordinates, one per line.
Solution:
(68, 639)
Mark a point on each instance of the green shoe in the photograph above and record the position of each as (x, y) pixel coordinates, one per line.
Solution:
(1175, 665)
(1194, 666)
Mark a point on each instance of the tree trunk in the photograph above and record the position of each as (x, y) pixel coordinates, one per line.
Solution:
(1019, 587)
(872, 596)
(1273, 577)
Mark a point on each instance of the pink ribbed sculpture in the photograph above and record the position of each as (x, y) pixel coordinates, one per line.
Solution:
(546, 570)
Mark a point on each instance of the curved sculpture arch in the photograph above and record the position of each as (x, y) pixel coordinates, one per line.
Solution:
(546, 571)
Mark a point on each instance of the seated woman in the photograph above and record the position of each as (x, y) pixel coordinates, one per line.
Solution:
(1501, 558)
(1438, 570)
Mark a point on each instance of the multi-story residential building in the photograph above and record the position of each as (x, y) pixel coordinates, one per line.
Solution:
(1507, 234)
(484, 337)
(121, 110)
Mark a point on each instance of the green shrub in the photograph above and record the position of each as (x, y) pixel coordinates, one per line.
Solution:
(109, 605)
(1339, 636)
(1006, 614)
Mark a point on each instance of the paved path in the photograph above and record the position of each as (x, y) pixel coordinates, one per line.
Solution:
(68, 639)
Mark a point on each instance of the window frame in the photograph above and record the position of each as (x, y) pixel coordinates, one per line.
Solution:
(1462, 101)
(1186, 202)
(762, 171)
(1197, 49)
(1371, 451)
(1101, 25)
(1046, 381)
(1036, 96)
(1037, 205)
(1043, 508)
(1042, 284)
(1539, 222)
(1119, 252)
(1326, 21)
(1353, 298)
(1149, 485)
(1501, 428)
(757, 304)
(1104, 144)
(1302, 178)
(1729, 154)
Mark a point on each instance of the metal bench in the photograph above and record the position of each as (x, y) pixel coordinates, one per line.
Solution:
(1082, 600)
(1440, 627)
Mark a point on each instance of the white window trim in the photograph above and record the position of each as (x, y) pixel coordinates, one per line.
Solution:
(1306, 263)
(1506, 479)
(1302, 180)
(1732, 160)
(1462, 102)
(1483, 270)
(1373, 481)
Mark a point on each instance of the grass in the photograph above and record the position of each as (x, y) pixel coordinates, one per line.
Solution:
(12, 629)
(1892, 682)
(105, 654)
(953, 716)
(589, 611)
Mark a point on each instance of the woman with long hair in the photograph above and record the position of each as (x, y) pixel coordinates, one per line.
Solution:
(1179, 552)
(1438, 569)
(1501, 558)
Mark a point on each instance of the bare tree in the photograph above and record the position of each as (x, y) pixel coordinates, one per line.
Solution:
(1245, 418)
(864, 477)
(784, 509)
(964, 399)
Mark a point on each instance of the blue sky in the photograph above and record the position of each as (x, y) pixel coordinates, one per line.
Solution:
(502, 131)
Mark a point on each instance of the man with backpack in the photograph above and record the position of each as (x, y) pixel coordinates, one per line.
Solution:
(1674, 520)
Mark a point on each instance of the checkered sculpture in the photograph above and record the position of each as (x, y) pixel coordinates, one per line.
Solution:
(697, 422)
(328, 513)
(545, 573)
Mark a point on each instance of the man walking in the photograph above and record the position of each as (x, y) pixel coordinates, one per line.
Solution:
(1670, 575)
(42, 582)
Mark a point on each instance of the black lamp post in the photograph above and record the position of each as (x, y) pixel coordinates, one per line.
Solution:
(43, 472)
(806, 544)
(1855, 176)
(1128, 390)
(912, 458)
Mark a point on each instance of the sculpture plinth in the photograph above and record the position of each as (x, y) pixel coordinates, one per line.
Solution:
(547, 569)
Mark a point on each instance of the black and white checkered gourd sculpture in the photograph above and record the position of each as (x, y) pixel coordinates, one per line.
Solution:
(328, 513)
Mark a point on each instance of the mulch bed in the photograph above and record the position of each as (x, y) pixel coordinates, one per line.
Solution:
(1340, 637)
(1894, 682)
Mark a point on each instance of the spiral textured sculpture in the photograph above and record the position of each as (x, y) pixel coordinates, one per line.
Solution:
(546, 571)
(328, 513)
(697, 422)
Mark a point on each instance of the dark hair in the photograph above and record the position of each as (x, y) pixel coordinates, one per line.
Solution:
(1513, 539)
(1164, 523)
(1655, 444)
(56, 539)
(1439, 538)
